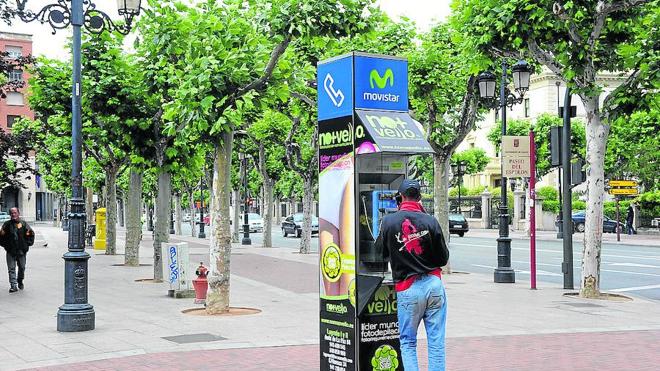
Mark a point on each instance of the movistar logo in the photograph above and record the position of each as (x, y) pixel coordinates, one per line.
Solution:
(381, 82)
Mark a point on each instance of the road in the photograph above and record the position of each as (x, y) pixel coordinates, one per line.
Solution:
(626, 269)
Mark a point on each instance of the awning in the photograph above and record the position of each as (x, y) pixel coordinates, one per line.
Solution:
(385, 131)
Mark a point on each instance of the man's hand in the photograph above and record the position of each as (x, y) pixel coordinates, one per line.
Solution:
(2, 231)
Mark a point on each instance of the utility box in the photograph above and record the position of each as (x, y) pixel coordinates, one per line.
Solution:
(99, 240)
(177, 272)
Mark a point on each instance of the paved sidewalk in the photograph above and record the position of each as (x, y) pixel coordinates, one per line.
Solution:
(491, 326)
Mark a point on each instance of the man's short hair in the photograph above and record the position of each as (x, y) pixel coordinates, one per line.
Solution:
(412, 194)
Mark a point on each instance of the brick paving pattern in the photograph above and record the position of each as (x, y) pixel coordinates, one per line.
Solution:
(625, 350)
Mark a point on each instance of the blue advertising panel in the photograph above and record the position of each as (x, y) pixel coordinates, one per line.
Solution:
(335, 88)
(381, 83)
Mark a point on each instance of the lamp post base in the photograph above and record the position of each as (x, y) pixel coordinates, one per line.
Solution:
(75, 318)
(76, 314)
(246, 241)
(505, 275)
(201, 234)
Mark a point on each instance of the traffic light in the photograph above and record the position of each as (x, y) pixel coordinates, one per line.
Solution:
(555, 145)
(578, 175)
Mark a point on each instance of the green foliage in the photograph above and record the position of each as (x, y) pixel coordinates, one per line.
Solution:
(541, 127)
(15, 154)
(547, 193)
(476, 159)
(551, 205)
(634, 148)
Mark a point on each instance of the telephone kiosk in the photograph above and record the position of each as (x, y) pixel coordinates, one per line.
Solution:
(367, 145)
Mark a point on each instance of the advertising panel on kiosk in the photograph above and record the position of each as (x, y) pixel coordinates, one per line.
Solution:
(368, 143)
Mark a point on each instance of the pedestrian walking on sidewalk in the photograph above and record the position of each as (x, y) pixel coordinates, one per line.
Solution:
(412, 241)
(630, 219)
(16, 237)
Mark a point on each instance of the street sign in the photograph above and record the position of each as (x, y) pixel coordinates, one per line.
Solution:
(515, 156)
(622, 183)
(623, 191)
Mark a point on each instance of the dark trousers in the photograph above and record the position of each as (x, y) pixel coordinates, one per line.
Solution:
(12, 262)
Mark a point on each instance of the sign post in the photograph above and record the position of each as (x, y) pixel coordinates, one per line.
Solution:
(532, 210)
(620, 188)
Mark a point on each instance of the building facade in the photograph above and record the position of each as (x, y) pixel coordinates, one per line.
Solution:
(33, 198)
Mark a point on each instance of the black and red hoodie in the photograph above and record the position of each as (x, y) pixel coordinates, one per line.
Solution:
(413, 242)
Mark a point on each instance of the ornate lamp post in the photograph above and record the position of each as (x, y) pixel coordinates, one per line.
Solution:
(521, 73)
(459, 170)
(76, 314)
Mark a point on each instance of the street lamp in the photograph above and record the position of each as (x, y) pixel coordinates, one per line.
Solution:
(521, 73)
(201, 233)
(76, 314)
(246, 227)
(458, 169)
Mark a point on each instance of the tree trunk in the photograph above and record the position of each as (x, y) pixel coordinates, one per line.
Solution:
(308, 198)
(193, 217)
(178, 214)
(278, 211)
(111, 210)
(122, 210)
(161, 227)
(89, 205)
(134, 219)
(593, 234)
(217, 298)
(236, 222)
(441, 199)
(268, 212)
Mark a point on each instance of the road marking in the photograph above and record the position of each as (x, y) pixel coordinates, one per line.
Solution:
(634, 265)
(538, 272)
(638, 288)
(626, 272)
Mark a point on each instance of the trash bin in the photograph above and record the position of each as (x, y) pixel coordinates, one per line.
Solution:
(99, 241)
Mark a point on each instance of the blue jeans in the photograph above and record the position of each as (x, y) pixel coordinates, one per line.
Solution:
(425, 299)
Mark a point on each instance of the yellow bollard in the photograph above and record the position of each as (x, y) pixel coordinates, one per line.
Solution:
(99, 241)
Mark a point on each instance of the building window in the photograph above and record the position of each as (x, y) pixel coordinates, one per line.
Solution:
(526, 107)
(14, 99)
(14, 51)
(15, 75)
(11, 119)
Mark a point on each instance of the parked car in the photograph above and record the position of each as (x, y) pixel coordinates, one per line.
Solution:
(609, 225)
(293, 225)
(186, 218)
(255, 221)
(458, 224)
(4, 216)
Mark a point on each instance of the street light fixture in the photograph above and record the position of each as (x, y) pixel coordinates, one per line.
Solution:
(458, 169)
(76, 314)
(246, 227)
(521, 73)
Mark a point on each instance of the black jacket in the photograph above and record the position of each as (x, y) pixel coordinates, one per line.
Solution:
(413, 242)
(16, 241)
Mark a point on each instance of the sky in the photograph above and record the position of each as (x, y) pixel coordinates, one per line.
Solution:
(423, 12)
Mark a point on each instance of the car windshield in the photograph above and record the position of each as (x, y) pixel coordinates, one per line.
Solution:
(299, 218)
(252, 216)
(456, 217)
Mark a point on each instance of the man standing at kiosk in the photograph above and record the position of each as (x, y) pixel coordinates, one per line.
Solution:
(416, 249)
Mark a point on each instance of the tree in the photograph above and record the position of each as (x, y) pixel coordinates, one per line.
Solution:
(541, 128)
(633, 149)
(218, 87)
(8, 64)
(576, 41)
(444, 97)
(475, 159)
(15, 162)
